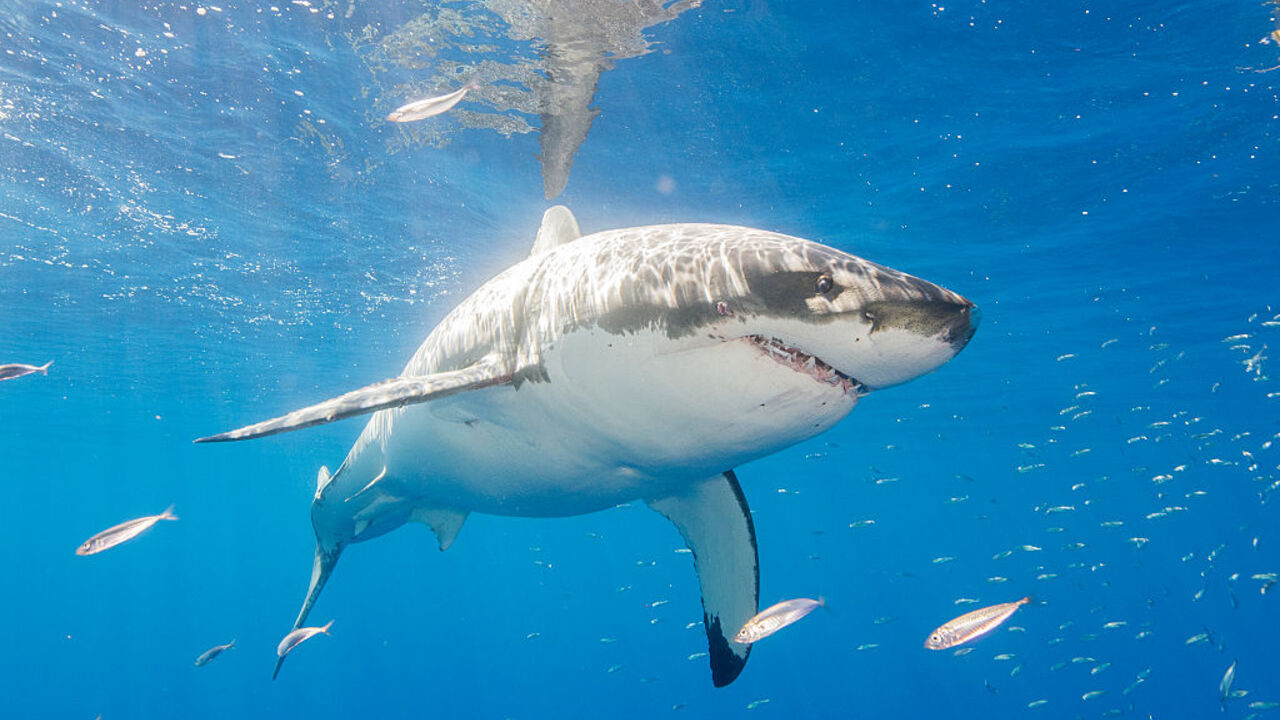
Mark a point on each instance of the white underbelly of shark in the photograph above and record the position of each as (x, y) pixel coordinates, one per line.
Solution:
(548, 449)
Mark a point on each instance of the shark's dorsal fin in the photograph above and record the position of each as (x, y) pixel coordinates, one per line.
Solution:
(396, 392)
(715, 522)
(559, 226)
(444, 523)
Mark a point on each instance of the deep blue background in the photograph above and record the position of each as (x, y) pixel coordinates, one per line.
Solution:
(1100, 177)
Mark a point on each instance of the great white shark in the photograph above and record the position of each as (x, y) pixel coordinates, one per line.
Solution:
(633, 364)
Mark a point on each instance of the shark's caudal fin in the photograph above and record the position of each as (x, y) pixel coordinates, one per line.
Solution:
(396, 392)
(322, 567)
(715, 522)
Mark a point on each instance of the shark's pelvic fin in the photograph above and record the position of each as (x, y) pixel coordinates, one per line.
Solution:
(321, 569)
(444, 523)
(322, 479)
(715, 522)
(396, 392)
(559, 226)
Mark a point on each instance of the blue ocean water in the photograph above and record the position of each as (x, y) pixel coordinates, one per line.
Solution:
(204, 221)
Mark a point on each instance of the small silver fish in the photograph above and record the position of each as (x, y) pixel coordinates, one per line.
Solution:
(773, 619)
(213, 652)
(972, 625)
(123, 532)
(1228, 677)
(297, 637)
(430, 107)
(17, 370)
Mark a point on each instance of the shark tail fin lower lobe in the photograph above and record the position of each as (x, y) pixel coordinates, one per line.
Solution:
(321, 569)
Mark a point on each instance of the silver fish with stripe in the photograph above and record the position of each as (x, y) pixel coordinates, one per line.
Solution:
(296, 638)
(208, 655)
(776, 617)
(17, 370)
(972, 625)
(430, 107)
(122, 533)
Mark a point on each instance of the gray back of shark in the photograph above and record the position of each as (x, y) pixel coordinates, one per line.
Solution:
(642, 363)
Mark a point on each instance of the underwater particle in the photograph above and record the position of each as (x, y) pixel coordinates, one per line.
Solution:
(1197, 639)
(1037, 703)
(17, 370)
(122, 533)
(868, 646)
(299, 636)
(972, 625)
(1093, 694)
(774, 618)
(1263, 705)
(942, 559)
(695, 656)
(1115, 624)
(1003, 656)
(862, 523)
(430, 107)
(756, 703)
(208, 655)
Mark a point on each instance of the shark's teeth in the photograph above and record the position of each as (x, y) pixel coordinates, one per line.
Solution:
(803, 362)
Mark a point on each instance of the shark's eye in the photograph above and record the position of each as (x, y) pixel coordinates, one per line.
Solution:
(824, 285)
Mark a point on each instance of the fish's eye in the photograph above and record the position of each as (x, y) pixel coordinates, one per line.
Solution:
(823, 285)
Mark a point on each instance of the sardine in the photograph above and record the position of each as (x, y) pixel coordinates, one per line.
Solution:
(213, 652)
(430, 107)
(972, 625)
(297, 637)
(773, 619)
(17, 370)
(123, 532)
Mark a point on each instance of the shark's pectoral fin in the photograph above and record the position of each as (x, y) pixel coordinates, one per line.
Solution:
(321, 569)
(395, 392)
(715, 522)
(444, 523)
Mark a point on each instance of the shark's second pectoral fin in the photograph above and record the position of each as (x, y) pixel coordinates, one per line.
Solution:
(395, 392)
(715, 522)
(321, 569)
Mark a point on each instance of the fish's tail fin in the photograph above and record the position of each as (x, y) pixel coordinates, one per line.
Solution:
(232, 645)
(1027, 600)
(168, 514)
(321, 569)
(326, 627)
(44, 369)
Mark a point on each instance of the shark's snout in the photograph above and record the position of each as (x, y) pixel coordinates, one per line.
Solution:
(962, 325)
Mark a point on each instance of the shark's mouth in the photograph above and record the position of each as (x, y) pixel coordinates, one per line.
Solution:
(803, 362)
